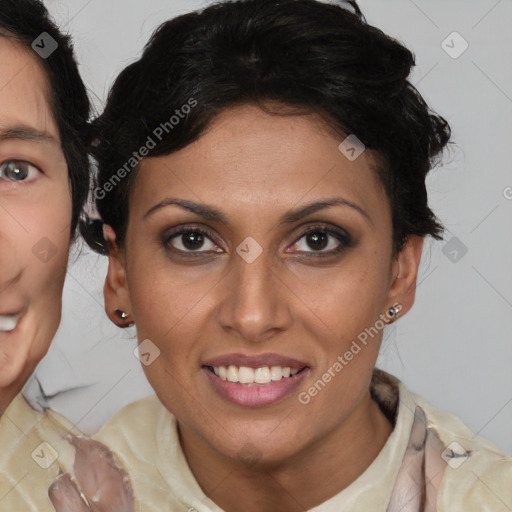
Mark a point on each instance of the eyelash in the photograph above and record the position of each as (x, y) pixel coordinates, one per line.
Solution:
(344, 239)
(340, 235)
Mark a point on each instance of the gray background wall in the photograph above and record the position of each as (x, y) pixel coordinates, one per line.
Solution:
(455, 346)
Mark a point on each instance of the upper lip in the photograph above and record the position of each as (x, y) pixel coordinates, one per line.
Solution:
(255, 361)
(11, 307)
(17, 313)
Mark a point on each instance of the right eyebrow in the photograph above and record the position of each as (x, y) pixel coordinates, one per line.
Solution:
(25, 133)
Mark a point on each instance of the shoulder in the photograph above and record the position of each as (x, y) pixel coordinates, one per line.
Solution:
(30, 459)
(477, 474)
(130, 433)
(140, 416)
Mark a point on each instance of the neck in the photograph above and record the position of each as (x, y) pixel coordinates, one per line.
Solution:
(292, 485)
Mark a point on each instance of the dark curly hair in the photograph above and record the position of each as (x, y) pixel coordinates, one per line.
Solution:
(310, 56)
(24, 21)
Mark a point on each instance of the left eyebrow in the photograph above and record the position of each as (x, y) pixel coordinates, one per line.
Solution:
(309, 209)
(211, 213)
(207, 212)
(25, 133)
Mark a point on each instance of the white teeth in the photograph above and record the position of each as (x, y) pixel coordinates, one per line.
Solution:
(232, 375)
(262, 375)
(8, 322)
(276, 373)
(247, 375)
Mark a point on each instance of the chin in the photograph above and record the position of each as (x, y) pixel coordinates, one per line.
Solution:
(256, 447)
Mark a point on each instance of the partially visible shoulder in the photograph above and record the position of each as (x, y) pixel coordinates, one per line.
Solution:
(478, 474)
(29, 463)
(131, 432)
(141, 411)
(132, 435)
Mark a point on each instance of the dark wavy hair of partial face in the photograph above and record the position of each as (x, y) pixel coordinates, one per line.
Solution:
(302, 55)
(24, 21)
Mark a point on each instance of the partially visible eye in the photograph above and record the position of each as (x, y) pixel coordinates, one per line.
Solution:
(18, 170)
(322, 241)
(191, 240)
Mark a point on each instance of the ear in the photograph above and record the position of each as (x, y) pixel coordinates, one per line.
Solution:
(402, 288)
(117, 295)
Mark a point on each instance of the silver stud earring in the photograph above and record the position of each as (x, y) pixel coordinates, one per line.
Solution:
(394, 311)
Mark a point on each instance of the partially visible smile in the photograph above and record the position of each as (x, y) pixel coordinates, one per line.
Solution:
(9, 322)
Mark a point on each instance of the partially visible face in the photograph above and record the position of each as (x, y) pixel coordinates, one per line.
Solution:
(35, 212)
(260, 284)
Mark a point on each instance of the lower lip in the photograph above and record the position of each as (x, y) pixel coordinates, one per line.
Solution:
(255, 395)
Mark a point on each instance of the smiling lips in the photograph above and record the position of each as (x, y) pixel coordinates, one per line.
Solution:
(8, 322)
(254, 381)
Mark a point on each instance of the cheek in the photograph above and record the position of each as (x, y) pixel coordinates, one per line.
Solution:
(350, 304)
(34, 242)
(346, 299)
(167, 314)
(35, 237)
(167, 299)
(167, 306)
(47, 249)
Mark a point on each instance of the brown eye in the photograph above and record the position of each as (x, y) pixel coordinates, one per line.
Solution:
(322, 241)
(191, 240)
(317, 240)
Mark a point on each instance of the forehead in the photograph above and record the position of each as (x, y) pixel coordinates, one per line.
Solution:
(24, 90)
(249, 156)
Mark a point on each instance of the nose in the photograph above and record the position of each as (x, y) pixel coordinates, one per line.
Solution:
(256, 303)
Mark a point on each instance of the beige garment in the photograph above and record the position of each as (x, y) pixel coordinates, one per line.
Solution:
(31, 451)
(430, 462)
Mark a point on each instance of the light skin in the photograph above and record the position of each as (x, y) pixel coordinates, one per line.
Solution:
(35, 204)
(254, 168)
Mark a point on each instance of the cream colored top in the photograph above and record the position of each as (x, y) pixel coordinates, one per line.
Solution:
(430, 462)
(31, 450)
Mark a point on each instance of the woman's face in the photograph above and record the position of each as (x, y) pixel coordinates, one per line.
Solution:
(35, 208)
(267, 277)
